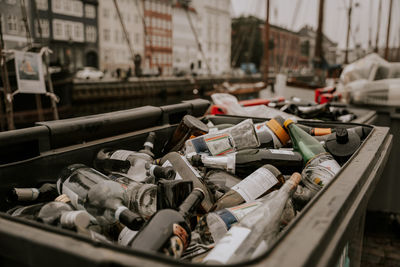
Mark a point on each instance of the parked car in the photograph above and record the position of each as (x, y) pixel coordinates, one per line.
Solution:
(89, 73)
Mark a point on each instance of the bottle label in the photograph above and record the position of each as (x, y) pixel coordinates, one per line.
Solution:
(282, 151)
(180, 232)
(233, 215)
(331, 165)
(256, 184)
(227, 246)
(149, 144)
(167, 163)
(121, 154)
(219, 144)
(72, 196)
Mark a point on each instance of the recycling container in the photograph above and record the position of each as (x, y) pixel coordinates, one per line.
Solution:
(386, 197)
(327, 232)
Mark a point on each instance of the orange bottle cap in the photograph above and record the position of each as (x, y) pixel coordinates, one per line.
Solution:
(278, 130)
(287, 122)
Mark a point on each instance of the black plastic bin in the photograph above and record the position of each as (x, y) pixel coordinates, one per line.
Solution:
(386, 197)
(331, 223)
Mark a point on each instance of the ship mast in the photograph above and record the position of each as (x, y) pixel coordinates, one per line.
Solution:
(388, 31)
(266, 45)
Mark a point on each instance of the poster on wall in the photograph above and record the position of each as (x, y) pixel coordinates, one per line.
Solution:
(29, 73)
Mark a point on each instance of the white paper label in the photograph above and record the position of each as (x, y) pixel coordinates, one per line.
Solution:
(227, 246)
(331, 165)
(72, 196)
(168, 164)
(255, 184)
(241, 211)
(121, 154)
(281, 151)
(219, 144)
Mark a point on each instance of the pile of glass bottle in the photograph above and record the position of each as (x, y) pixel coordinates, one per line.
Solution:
(217, 193)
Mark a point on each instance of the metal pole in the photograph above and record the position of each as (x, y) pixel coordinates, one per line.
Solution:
(125, 32)
(388, 31)
(266, 45)
(346, 55)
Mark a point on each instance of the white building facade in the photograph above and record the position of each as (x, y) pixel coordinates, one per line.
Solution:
(214, 29)
(114, 50)
(186, 55)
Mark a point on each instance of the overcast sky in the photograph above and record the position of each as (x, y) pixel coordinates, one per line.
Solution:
(364, 18)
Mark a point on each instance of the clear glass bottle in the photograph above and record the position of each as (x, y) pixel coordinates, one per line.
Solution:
(255, 232)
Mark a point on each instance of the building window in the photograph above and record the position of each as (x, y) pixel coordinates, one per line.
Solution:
(90, 11)
(78, 32)
(116, 36)
(57, 5)
(91, 34)
(58, 31)
(67, 6)
(12, 24)
(11, 2)
(68, 31)
(44, 26)
(106, 33)
(78, 9)
(42, 4)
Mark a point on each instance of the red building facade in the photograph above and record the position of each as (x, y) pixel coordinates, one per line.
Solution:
(158, 32)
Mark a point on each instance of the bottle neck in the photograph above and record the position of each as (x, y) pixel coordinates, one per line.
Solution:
(190, 204)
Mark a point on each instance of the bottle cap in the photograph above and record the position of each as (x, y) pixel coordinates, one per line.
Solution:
(321, 131)
(275, 125)
(342, 135)
(287, 123)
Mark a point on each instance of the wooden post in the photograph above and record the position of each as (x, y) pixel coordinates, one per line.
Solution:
(388, 31)
(346, 55)
(6, 84)
(266, 45)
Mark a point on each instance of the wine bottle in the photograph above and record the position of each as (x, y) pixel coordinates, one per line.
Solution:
(320, 167)
(238, 137)
(109, 161)
(168, 231)
(187, 128)
(142, 197)
(271, 133)
(221, 181)
(254, 234)
(47, 192)
(171, 193)
(219, 222)
(261, 182)
(51, 212)
(246, 161)
(103, 198)
(27, 212)
(186, 172)
(155, 173)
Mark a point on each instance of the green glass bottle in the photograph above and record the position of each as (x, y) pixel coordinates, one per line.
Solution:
(302, 142)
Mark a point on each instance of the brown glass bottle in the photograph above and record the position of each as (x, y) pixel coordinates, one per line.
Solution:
(189, 126)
